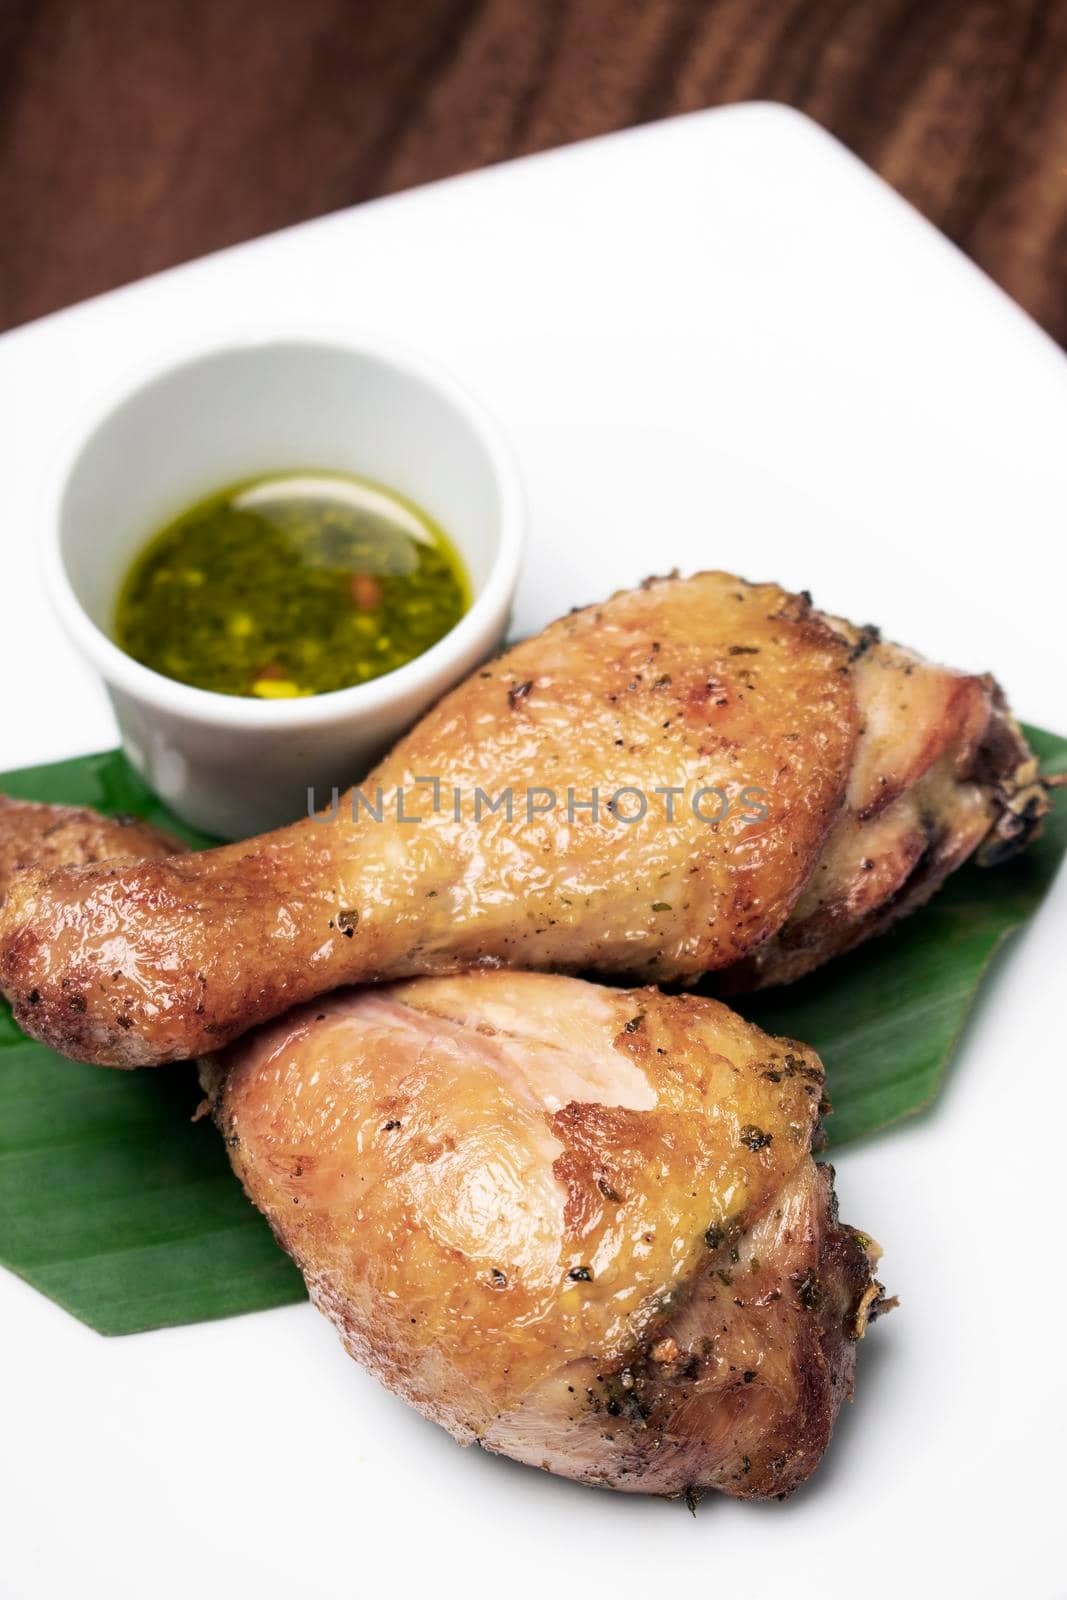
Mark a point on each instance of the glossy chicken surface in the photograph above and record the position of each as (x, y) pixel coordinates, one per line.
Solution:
(580, 1226)
(853, 777)
(44, 836)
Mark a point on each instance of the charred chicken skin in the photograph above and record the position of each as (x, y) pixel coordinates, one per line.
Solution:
(801, 784)
(579, 1226)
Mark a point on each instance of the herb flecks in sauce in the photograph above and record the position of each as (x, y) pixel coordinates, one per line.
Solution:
(294, 584)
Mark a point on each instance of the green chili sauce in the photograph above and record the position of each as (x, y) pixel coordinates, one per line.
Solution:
(293, 584)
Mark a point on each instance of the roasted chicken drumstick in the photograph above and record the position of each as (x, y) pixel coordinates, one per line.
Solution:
(580, 1226)
(700, 775)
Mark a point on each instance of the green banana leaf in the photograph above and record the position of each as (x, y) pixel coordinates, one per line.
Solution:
(121, 1208)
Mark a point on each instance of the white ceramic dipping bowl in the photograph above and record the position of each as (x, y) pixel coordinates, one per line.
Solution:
(235, 766)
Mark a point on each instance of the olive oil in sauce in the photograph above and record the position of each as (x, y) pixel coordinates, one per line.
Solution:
(288, 585)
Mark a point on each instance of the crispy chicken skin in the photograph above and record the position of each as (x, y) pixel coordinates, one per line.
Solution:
(874, 774)
(44, 836)
(580, 1226)
(940, 770)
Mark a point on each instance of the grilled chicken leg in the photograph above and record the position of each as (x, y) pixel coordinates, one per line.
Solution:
(699, 775)
(577, 1225)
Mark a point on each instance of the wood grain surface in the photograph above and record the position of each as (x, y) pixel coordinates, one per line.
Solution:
(135, 134)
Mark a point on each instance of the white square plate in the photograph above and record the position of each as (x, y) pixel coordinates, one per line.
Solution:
(719, 341)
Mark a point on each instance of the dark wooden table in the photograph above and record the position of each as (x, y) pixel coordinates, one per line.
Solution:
(139, 133)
